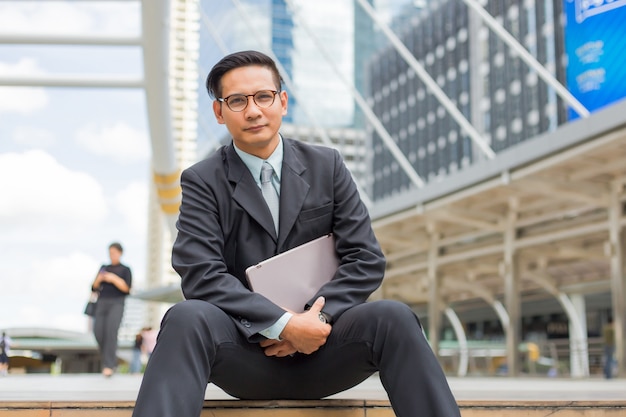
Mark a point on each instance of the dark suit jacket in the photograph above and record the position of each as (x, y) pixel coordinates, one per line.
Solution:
(225, 226)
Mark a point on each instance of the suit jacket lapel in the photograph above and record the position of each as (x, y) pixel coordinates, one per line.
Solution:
(293, 191)
(246, 193)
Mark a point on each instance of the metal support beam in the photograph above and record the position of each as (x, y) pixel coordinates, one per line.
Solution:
(155, 25)
(592, 195)
(434, 305)
(75, 80)
(579, 347)
(511, 292)
(72, 40)
(456, 323)
(617, 245)
(461, 337)
(486, 295)
(579, 352)
(458, 217)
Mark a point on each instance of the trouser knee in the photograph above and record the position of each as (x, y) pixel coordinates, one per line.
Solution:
(197, 319)
(393, 312)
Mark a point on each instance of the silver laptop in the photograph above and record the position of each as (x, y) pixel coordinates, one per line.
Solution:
(291, 278)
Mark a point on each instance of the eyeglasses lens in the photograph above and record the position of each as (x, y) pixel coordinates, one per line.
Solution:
(263, 98)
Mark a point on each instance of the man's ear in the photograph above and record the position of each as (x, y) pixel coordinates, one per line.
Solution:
(217, 109)
(284, 101)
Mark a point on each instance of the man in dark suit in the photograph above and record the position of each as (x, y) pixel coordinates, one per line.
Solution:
(239, 340)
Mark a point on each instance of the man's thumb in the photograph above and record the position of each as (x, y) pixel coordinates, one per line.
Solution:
(318, 304)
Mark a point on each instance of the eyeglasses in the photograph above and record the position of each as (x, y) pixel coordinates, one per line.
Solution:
(238, 102)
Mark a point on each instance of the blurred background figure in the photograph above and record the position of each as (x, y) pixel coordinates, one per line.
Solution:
(5, 345)
(608, 336)
(113, 282)
(149, 336)
(135, 363)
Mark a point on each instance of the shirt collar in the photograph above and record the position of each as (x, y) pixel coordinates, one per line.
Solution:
(254, 163)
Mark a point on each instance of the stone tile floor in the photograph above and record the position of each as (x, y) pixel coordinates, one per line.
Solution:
(94, 387)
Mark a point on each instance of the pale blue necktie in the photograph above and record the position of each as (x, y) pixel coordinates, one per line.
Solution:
(269, 192)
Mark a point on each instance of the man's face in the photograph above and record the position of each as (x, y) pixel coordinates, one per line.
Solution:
(254, 129)
(115, 255)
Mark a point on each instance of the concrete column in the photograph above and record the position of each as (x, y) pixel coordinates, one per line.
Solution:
(579, 354)
(617, 255)
(461, 337)
(510, 274)
(574, 307)
(434, 297)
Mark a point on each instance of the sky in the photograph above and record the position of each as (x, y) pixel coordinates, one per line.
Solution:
(74, 163)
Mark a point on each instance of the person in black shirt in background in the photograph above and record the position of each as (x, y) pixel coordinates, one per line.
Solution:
(113, 284)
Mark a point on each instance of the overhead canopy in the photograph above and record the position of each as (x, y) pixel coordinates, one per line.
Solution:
(558, 185)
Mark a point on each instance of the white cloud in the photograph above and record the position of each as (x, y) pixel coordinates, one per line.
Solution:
(68, 17)
(22, 99)
(24, 66)
(33, 137)
(132, 203)
(51, 293)
(37, 190)
(40, 17)
(119, 141)
(118, 18)
(73, 273)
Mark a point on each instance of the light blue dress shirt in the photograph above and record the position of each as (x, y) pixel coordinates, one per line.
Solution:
(254, 164)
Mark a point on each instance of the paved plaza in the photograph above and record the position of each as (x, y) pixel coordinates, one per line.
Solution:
(94, 387)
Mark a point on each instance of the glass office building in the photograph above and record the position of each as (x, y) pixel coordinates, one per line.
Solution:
(497, 93)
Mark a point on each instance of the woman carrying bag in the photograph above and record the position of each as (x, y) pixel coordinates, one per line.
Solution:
(113, 284)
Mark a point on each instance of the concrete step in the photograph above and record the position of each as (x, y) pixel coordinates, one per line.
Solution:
(90, 395)
(325, 408)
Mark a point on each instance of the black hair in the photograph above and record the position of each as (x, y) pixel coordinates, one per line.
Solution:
(238, 60)
(117, 246)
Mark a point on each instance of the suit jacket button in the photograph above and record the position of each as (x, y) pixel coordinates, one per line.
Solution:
(245, 322)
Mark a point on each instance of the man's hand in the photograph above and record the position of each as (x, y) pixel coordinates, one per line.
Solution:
(116, 280)
(279, 348)
(305, 332)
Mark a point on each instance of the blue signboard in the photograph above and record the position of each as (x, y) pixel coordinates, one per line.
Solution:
(595, 44)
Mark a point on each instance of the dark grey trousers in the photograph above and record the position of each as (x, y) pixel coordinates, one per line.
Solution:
(106, 324)
(199, 343)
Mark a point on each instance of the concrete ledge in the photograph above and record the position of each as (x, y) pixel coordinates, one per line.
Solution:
(543, 408)
(94, 396)
(318, 408)
(212, 408)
